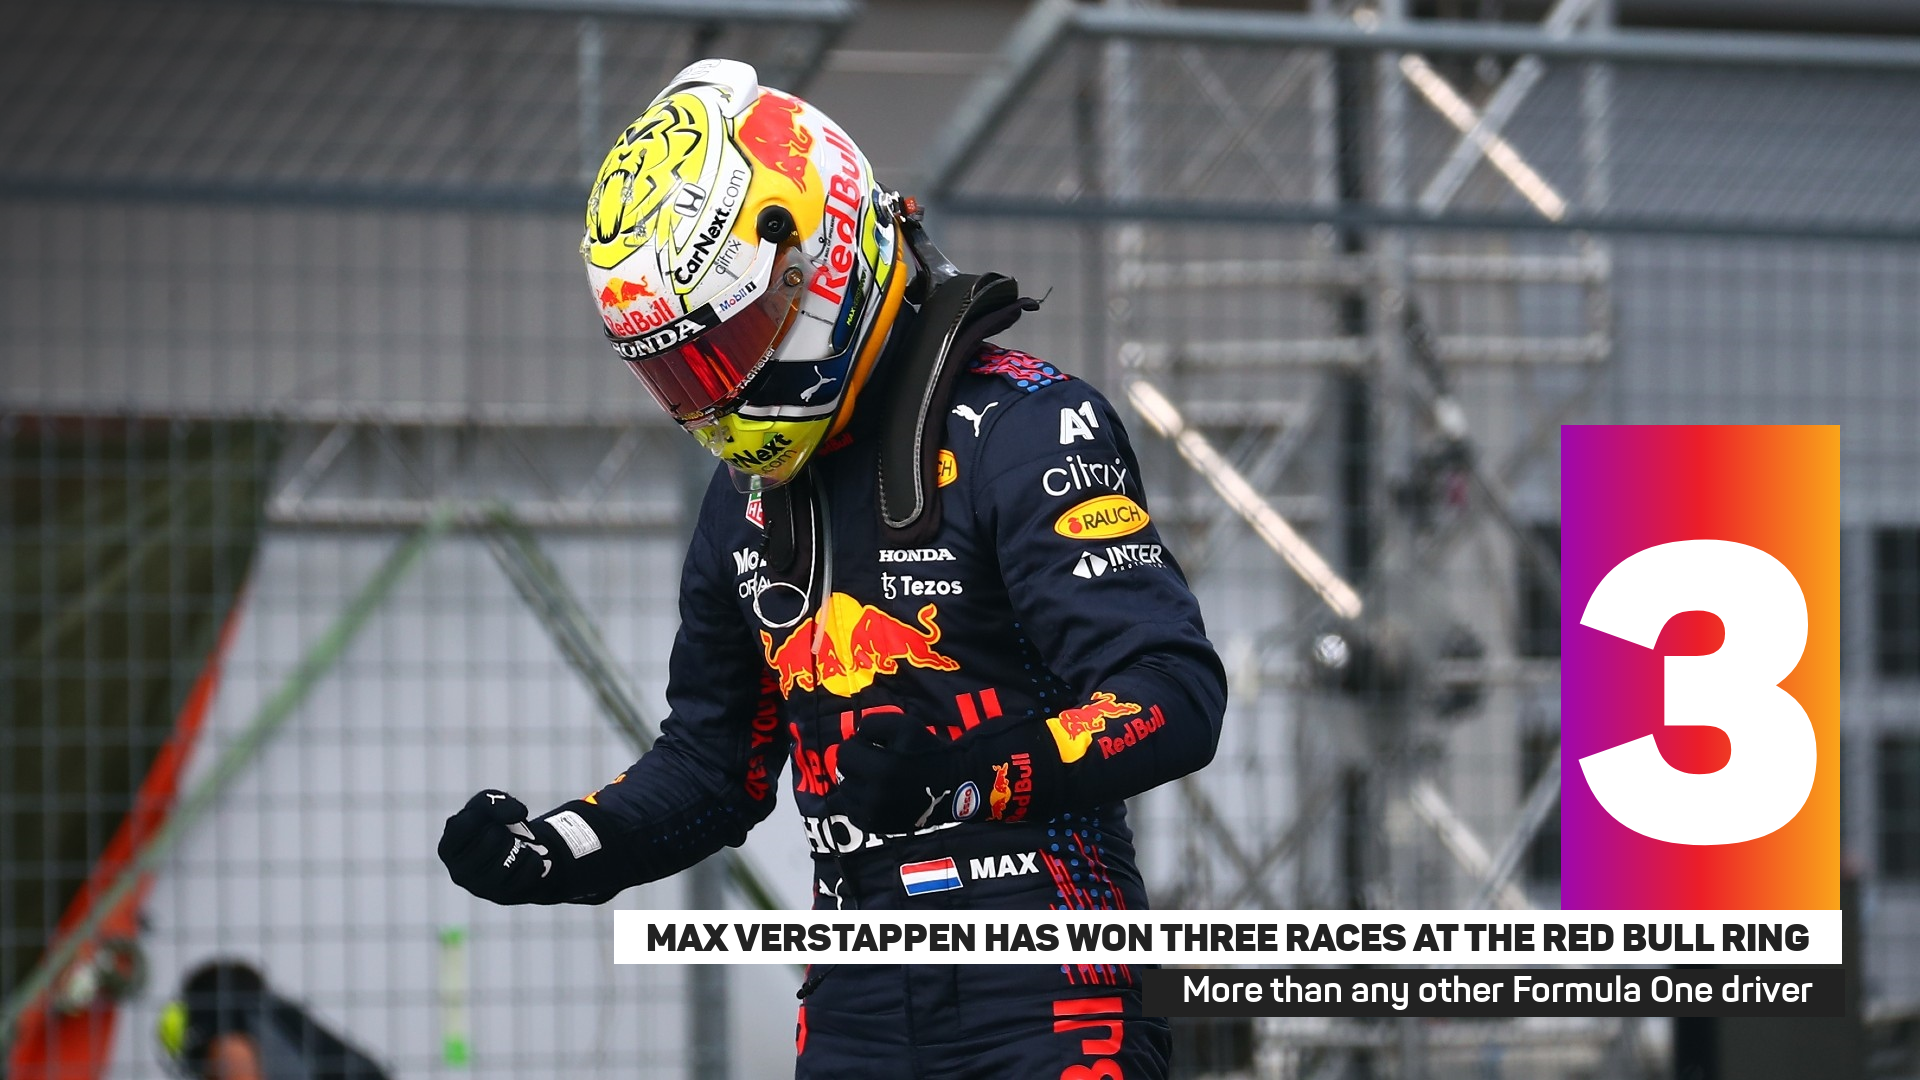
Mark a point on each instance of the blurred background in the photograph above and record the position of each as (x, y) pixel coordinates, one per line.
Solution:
(325, 505)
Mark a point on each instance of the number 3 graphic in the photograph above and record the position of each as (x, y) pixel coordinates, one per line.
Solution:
(1769, 775)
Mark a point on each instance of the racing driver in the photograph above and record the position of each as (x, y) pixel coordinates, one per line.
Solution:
(925, 570)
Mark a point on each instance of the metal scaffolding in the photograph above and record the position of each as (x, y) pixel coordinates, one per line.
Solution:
(1408, 230)
(1349, 269)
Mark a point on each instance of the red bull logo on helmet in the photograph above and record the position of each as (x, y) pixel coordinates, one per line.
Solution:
(619, 293)
(840, 222)
(773, 134)
(624, 323)
(1073, 730)
(847, 644)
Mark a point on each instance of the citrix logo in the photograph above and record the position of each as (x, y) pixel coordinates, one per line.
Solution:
(1079, 474)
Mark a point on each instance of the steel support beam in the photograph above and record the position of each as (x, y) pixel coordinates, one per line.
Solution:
(1034, 42)
(1218, 212)
(1038, 37)
(1299, 555)
(829, 12)
(1668, 47)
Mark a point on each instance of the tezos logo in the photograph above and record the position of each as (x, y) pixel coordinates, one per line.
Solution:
(895, 586)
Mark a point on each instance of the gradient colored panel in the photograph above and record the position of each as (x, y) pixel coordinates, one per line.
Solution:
(1625, 489)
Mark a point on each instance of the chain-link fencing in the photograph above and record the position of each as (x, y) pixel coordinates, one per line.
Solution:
(325, 506)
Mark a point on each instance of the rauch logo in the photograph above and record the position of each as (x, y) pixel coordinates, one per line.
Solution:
(1102, 518)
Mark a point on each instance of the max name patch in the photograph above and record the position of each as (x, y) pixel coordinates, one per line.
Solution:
(1102, 518)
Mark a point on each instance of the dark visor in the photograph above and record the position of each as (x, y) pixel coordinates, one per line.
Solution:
(697, 367)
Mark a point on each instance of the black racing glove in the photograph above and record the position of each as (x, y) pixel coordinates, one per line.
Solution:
(494, 852)
(896, 776)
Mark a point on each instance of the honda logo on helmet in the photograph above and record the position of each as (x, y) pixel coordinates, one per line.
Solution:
(668, 336)
(689, 272)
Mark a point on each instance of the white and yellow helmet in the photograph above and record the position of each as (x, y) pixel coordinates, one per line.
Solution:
(746, 265)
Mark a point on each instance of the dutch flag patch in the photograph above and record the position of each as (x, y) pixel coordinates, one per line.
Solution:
(934, 875)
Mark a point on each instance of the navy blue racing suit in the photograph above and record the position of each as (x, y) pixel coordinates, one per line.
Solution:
(1044, 607)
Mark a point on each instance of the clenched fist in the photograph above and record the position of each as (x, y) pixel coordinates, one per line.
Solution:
(495, 853)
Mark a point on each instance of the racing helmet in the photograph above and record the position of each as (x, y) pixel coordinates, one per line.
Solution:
(746, 266)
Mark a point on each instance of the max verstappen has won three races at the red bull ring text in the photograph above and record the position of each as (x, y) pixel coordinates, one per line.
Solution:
(925, 570)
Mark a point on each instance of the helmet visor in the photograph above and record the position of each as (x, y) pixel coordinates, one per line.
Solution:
(698, 366)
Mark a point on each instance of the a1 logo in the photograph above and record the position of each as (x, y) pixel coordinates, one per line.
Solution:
(1736, 688)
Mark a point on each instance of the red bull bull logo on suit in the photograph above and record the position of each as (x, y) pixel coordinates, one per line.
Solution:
(1073, 730)
(1009, 798)
(847, 644)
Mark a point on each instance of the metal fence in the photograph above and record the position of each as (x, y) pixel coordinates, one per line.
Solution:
(1376, 262)
(299, 377)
